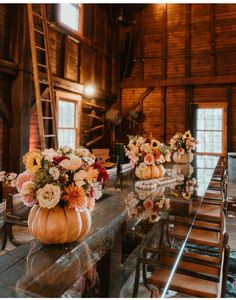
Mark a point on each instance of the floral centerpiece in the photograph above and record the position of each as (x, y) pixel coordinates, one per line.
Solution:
(8, 183)
(147, 155)
(147, 205)
(62, 187)
(186, 188)
(183, 145)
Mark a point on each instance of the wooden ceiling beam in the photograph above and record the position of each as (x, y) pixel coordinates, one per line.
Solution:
(203, 80)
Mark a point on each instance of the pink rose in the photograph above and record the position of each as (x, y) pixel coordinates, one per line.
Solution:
(29, 200)
(181, 151)
(23, 177)
(90, 203)
(148, 204)
(149, 159)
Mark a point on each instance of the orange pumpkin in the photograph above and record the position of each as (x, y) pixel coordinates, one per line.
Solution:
(58, 225)
(150, 172)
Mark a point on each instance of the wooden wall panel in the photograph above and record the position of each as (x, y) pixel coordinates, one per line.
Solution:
(175, 114)
(152, 114)
(4, 31)
(56, 42)
(72, 60)
(201, 42)
(34, 132)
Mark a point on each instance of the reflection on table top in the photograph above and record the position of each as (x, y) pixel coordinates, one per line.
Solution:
(103, 263)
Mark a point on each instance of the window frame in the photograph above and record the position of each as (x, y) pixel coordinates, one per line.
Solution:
(67, 28)
(77, 99)
(224, 107)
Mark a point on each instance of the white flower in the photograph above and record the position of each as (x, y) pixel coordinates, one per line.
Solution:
(81, 175)
(80, 183)
(140, 140)
(146, 148)
(2, 175)
(54, 172)
(71, 164)
(27, 187)
(49, 196)
(49, 154)
(65, 150)
(82, 151)
(12, 176)
(89, 160)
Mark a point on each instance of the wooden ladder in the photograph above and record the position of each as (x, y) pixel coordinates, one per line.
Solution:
(44, 93)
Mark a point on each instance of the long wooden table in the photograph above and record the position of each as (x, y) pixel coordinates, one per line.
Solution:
(102, 264)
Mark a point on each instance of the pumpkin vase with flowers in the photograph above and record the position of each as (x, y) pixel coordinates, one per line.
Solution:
(61, 187)
(183, 145)
(147, 155)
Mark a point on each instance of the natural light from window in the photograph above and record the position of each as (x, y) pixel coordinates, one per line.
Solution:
(209, 130)
(69, 15)
(67, 123)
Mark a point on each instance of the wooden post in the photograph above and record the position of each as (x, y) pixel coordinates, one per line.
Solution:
(164, 69)
(213, 41)
(188, 41)
(188, 108)
(21, 95)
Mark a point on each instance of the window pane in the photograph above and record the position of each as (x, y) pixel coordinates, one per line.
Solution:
(67, 123)
(209, 130)
(66, 114)
(67, 137)
(69, 15)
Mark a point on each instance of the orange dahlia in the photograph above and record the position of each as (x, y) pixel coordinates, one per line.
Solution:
(75, 196)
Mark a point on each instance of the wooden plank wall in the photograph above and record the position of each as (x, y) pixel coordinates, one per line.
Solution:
(181, 42)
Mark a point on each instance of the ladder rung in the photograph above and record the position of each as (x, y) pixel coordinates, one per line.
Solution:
(39, 31)
(42, 66)
(95, 117)
(49, 135)
(48, 118)
(94, 128)
(40, 48)
(37, 15)
(45, 100)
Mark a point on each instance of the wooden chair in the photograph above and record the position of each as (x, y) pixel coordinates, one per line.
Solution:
(104, 158)
(16, 214)
(193, 276)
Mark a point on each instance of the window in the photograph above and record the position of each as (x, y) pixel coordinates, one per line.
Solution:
(68, 120)
(70, 16)
(211, 129)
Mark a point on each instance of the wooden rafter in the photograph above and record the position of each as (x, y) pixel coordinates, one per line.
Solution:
(140, 99)
(203, 80)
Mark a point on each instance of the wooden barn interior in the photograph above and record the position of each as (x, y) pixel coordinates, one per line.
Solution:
(79, 75)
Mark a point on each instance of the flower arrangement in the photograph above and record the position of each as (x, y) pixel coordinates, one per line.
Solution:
(8, 184)
(61, 178)
(147, 205)
(186, 188)
(8, 178)
(183, 142)
(147, 155)
(146, 151)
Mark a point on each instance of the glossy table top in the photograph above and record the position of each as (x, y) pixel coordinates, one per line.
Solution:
(103, 263)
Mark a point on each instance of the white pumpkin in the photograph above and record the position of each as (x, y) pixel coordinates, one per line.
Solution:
(184, 169)
(182, 158)
(150, 172)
